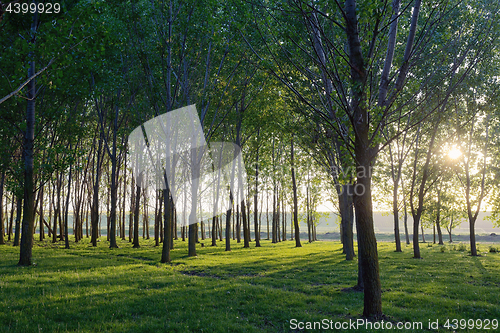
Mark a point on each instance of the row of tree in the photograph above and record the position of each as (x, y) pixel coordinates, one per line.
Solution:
(353, 96)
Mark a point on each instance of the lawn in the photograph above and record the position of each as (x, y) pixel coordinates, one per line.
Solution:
(87, 289)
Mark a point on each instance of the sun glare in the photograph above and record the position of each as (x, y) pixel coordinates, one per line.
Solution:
(454, 153)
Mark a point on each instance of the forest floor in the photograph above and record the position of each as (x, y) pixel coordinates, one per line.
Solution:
(269, 289)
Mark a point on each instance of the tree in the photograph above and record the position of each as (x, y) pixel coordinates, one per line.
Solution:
(295, 205)
(476, 178)
(29, 138)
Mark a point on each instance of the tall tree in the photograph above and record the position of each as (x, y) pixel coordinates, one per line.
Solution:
(29, 138)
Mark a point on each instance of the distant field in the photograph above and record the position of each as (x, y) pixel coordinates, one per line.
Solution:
(87, 289)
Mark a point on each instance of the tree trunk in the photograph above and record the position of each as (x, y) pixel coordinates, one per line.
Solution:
(416, 246)
(438, 220)
(395, 212)
(157, 220)
(246, 231)
(19, 210)
(167, 230)
(440, 234)
(214, 231)
(406, 225)
(283, 218)
(307, 214)
(366, 237)
(11, 221)
(295, 202)
(66, 209)
(228, 223)
(58, 208)
(449, 228)
(114, 184)
(473, 248)
(124, 196)
(347, 216)
(132, 209)
(255, 197)
(94, 218)
(145, 218)
(51, 198)
(136, 215)
(40, 213)
(2, 239)
(238, 224)
(29, 188)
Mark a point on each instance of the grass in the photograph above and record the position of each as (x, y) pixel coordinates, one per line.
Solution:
(87, 289)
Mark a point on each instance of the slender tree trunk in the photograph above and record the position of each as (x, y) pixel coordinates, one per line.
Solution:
(132, 209)
(13, 204)
(114, 184)
(395, 212)
(450, 228)
(95, 218)
(19, 210)
(283, 219)
(406, 225)
(228, 223)
(66, 209)
(51, 198)
(167, 230)
(308, 214)
(238, 224)
(193, 230)
(473, 248)
(246, 231)
(124, 196)
(219, 226)
(136, 215)
(59, 205)
(438, 220)
(29, 186)
(145, 219)
(214, 231)
(2, 238)
(40, 213)
(347, 216)
(295, 202)
(255, 212)
(157, 220)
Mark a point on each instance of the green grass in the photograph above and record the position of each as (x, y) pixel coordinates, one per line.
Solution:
(87, 289)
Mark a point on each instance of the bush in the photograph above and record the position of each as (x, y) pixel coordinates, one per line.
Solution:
(493, 249)
(462, 247)
(443, 248)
